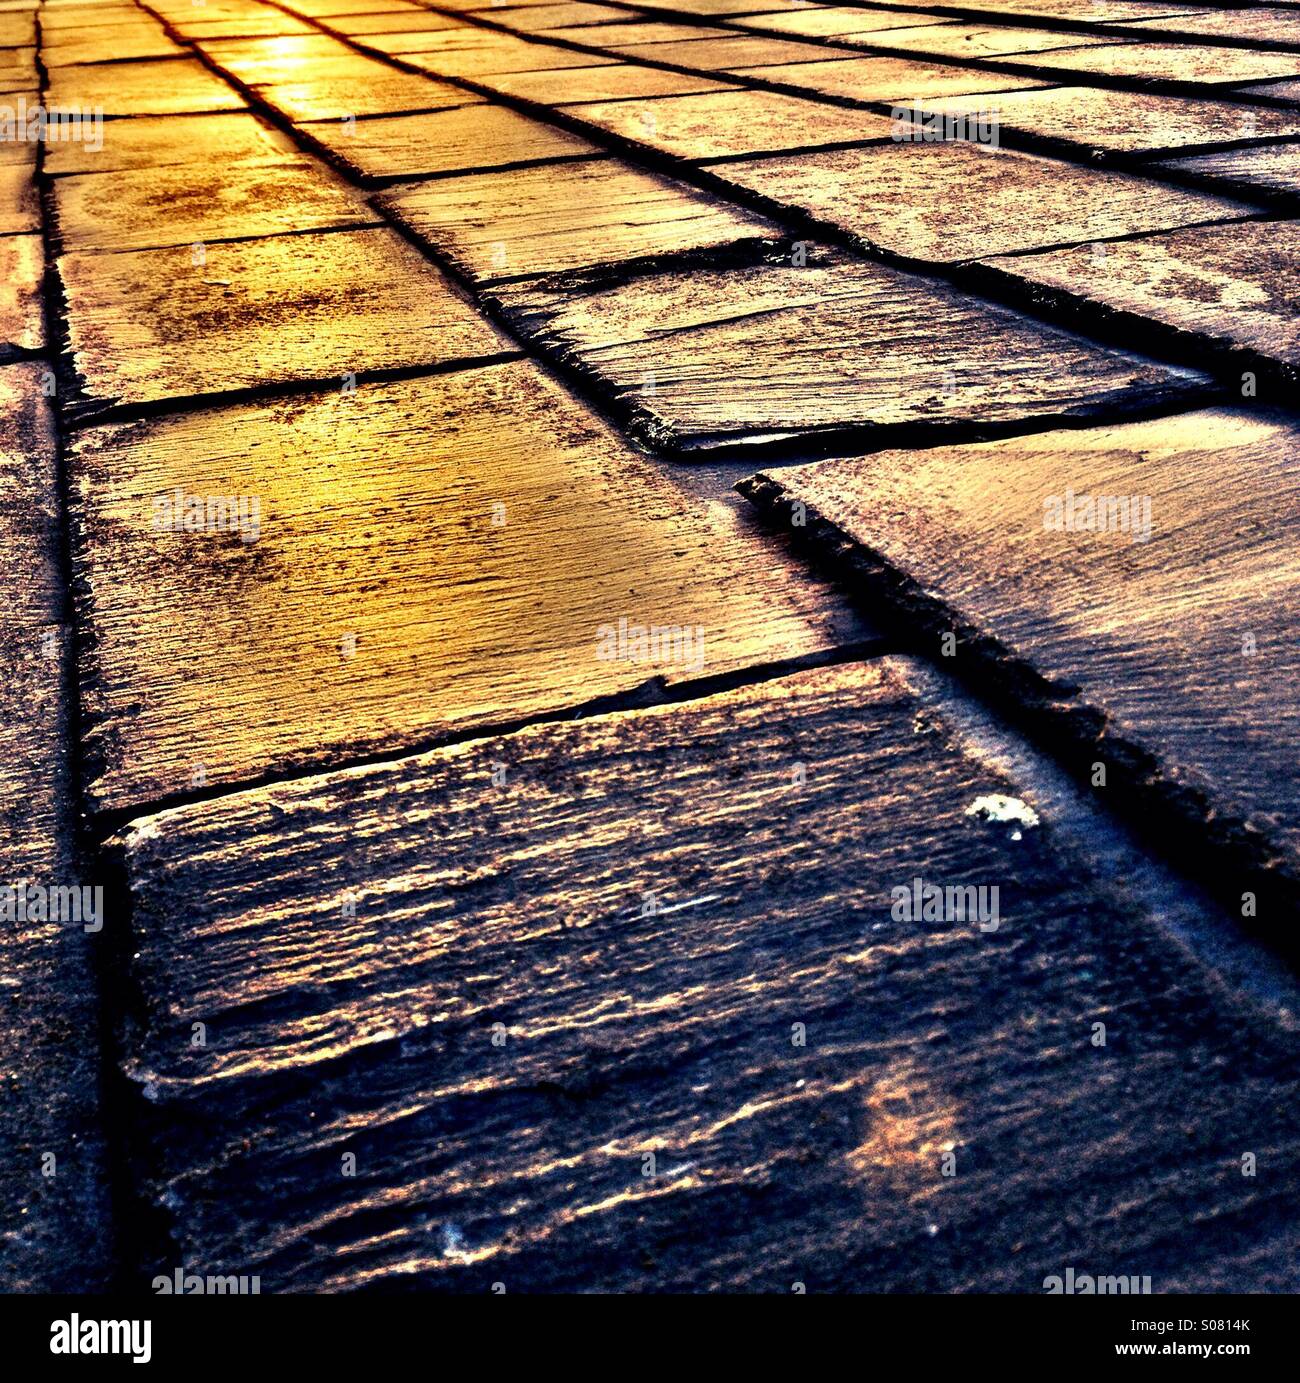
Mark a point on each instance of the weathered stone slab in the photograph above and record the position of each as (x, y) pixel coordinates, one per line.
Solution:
(819, 355)
(948, 201)
(1269, 168)
(189, 203)
(453, 141)
(434, 554)
(621, 35)
(1183, 63)
(887, 79)
(1230, 290)
(399, 22)
(160, 87)
(725, 123)
(19, 207)
(267, 23)
(479, 53)
(1274, 91)
(1104, 124)
(1162, 646)
(651, 1016)
(146, 326)
(833, 21)
(614, 82)
(161, 141)
(729, 54)
(571, 216)
(109, 43)
(960, 41)
(388, 93)
(53, 1215)
(1265, 24)
(22, 268)
(283, 61)
(530, 18)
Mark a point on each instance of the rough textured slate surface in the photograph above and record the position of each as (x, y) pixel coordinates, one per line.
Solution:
(150, 325)
(771, 354)
(22, 267)
(53, 1228)
(888, 79)
(142, 88)
(201, 201)
(1230, 288)
(832, 21)
(1166, 646)
(377, 524)
(451, 141)
(481, 54)
(162, 141)
(1271, 24)
(960, 41)
(1102, 122)
(543, 220)
(19, 212)
(1269, 168)
(616, 82)
(955, 200)
(724, 123)
(728, 54)
(647, 1021)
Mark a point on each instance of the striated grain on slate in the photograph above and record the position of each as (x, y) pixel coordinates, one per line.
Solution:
(723, 123)
(615, 82)
(955, 200)
(162, 87)
(1228, 289)
(1181, 644)
(150, 325)
(189, 203)
(1273, 169)
(53, 1230)
(666, 941)
(379, 523)
(1109, 123)
(571, 216)
(699, 359)
(888, 79)
(452, 141)
(22, 269)
(161, 141)
(110, 43)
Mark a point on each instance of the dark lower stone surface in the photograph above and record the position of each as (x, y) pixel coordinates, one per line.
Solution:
(657, 1015)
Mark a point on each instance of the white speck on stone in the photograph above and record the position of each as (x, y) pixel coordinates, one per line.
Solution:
(1010, 811)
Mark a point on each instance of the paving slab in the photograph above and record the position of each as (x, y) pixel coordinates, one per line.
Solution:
(418, 21)
(530, 18)
(20, 210)
(614, 82)
(153, 325)
(728, 54)
(278, 61)
(1269, 168)
(727, 123)
(1274, 91)
(648, 1020)
(832, 353)
(1223, 290)
(162, 141)
(1171, 62)
(12, 149)
(326, 9)
(109, 43)
(1107, 124)
(628, 32)
(947, 201)
(960, 41)
(160, 87)
(469, 139)
(887, 79)
(22, 270)
(484, 53)
(1162, 645)
(268, 23)
(54, 1228)
(433, 555)
(833, 21)
(388, 93)
(1264, 24)
(190, 203)
(571, 216)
